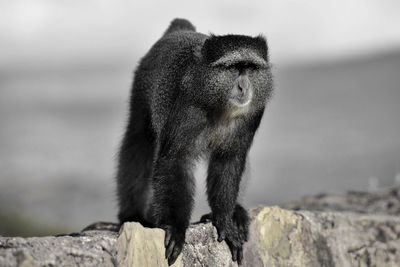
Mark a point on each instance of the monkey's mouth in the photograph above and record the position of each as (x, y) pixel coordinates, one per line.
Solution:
(242, 99)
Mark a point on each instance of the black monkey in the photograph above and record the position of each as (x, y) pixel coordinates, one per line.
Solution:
(193, 95)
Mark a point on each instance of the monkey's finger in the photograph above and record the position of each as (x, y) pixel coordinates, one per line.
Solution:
(240, 227)
(243, 236)
(234, 253)
(171, 261)
(169, 249)
(233, 249)
(240, 255)
(172, 258)
(167, 237)
(221, 235)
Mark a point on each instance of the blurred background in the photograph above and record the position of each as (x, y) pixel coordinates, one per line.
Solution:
(65, 74)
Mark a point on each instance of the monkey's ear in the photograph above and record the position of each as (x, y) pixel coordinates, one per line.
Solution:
(262, 45)
(208, 48)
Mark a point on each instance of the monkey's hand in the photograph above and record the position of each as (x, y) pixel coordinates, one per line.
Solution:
(233, 230)
(174, 241)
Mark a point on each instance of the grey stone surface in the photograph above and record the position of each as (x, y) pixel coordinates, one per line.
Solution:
(278, 237)
(91, 248)
(382, 202)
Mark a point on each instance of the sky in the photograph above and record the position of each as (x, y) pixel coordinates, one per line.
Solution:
(60, 31)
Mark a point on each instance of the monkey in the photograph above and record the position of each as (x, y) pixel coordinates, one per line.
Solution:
(193, 96)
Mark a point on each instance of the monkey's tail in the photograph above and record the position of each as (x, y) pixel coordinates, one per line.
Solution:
(180, 25)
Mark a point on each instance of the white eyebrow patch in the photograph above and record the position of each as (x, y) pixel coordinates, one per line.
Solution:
(240, 55)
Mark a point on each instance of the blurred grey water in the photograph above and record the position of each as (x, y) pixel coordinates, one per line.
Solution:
(331, 126)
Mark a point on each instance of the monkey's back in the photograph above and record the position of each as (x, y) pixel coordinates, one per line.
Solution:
(161, 69)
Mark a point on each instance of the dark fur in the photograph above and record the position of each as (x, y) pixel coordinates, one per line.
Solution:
(179, 111)
(217, 46)
(180, 25)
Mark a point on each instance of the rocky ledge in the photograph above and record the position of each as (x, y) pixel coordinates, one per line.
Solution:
(334, 231)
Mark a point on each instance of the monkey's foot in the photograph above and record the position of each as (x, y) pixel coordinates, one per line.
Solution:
(241, 221)
(233, 230)
(174, 241)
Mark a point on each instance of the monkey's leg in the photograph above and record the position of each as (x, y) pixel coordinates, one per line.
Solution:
(223, 182)
(134, 172)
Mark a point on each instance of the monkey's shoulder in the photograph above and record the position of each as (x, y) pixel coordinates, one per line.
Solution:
(183, 39)
(175, 45)
(168, 60)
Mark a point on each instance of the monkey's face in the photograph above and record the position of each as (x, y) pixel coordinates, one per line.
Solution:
(237, 88)
(234, 74)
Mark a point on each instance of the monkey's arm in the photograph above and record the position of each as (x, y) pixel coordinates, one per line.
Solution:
(223, 182)
(225, 171)
(173, 181)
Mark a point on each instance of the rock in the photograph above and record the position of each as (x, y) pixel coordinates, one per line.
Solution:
(382, 202)
(278, 237)
(92, 248)
(286, 238)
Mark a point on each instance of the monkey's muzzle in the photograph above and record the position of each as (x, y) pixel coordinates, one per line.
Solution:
(242, 92)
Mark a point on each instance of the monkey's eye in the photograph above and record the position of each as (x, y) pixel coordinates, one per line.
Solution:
(241, 66)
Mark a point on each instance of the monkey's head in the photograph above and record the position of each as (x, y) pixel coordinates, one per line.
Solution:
(235, 74)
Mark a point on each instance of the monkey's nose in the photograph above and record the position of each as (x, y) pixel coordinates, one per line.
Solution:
(243, 83)
(241, 89)
(241, 94)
